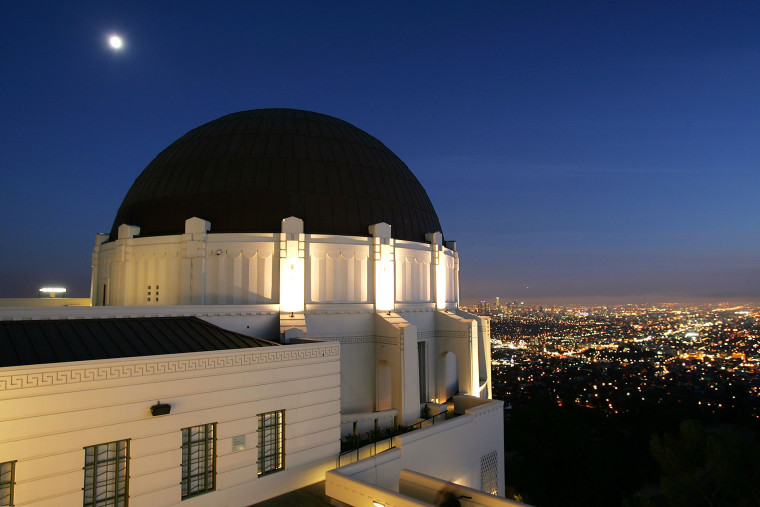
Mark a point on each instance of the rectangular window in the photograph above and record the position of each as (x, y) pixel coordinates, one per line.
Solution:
(198, 460)
(271, 442)
(422, 371)
(7, 481)
(106, 474)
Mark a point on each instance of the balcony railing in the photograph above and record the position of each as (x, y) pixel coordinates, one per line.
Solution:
(378, 442)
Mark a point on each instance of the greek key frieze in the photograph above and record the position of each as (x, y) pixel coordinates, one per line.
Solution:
(443, 334)
(167, 366)
(352, 340)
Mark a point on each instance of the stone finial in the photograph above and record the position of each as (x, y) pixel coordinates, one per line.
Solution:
(381, 230)
(292, 225)
(197, 225)
(128, 231)
(434, 238)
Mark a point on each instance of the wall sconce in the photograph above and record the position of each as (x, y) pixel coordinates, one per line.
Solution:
(160, 409)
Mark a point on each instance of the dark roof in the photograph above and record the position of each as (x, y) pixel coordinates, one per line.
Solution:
(246, 171)
(26, 342)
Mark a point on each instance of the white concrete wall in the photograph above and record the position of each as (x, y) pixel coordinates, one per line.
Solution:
(401, 354)
(188, 269)
(452, 450)
(355, 331)
(219, 269)
(458, 335)
(51, 412)
(433, 490)
(339, 272)
(414, 272)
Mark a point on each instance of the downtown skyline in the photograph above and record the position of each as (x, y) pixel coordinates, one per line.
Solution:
(588, 152)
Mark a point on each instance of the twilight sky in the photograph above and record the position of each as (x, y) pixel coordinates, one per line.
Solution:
(577, 151)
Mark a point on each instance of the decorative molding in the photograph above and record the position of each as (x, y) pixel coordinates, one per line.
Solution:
(333, 255)
(351, 340)
(162, 367)
(421, 335)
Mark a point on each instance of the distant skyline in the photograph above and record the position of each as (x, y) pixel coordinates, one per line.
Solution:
(577, 151)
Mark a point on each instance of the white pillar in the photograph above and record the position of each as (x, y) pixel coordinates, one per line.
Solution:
(452, 245)
(383, 256)
(436, 246)
(292, 262)
(193, 278)
(97, 294)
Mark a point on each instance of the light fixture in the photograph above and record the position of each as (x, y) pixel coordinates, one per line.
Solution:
(377, 504)
(52, 292)
(160, 409)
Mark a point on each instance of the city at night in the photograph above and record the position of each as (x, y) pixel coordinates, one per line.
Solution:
(380, 254)
(629, 374)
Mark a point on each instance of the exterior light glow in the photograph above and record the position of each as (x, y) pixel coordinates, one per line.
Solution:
(292, 265)
(52, 292)
(383, 253)
(384, 285)
(292, 284)
(53, 289)
(440, 279)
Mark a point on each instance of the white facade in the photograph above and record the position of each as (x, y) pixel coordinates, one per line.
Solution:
(392, 304)
(200, 267)
(50, 413)
(372, 332)
(370, 325)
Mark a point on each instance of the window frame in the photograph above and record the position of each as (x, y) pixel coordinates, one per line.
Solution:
(97, 469)
(206, 464)
(10, 484)
(271, 442)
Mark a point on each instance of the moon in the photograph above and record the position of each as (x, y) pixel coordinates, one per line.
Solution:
(115, 42)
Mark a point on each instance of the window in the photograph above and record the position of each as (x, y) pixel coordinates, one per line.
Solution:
(271, 442)
(198, 460)
(422, 371)
(7, 480)
(106, 474)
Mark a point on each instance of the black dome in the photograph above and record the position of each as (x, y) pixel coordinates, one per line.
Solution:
(246, 171)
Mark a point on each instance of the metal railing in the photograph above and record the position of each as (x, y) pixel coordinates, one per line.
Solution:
(430, 421)
(377, 446)
(366, 450)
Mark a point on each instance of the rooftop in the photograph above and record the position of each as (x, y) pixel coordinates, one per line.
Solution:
(246, 171)
(28, 342)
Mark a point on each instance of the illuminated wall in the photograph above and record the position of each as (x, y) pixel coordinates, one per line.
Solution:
(73, 411)
(338, 273)
(289, 268)
(292, 265)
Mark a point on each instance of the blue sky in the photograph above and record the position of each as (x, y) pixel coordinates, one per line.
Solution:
(577, 151)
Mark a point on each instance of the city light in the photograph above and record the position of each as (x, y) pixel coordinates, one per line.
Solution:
(616, 359)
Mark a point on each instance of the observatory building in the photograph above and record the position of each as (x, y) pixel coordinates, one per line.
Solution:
(275, 286)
